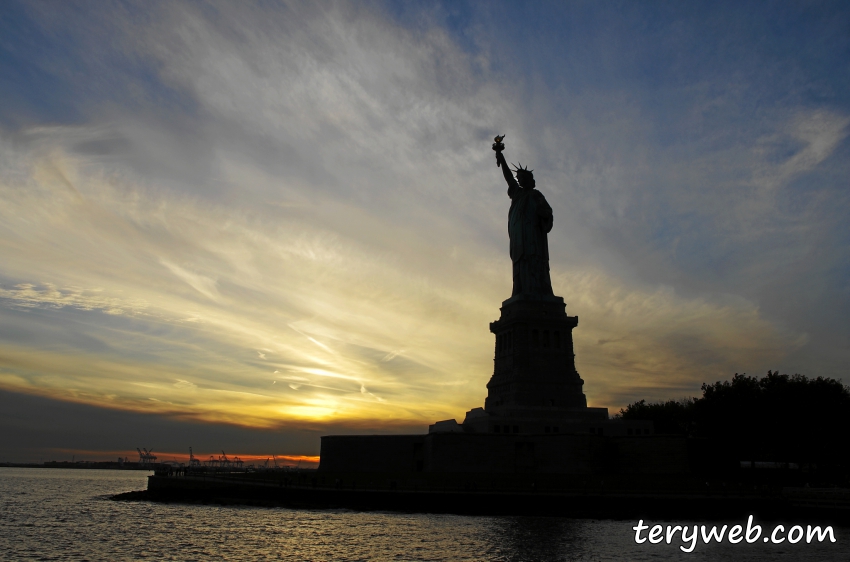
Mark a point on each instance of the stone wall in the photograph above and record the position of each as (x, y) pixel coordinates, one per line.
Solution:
(505, 454)
(370, 453)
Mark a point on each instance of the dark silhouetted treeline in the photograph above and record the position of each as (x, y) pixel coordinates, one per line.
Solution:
(777, 418)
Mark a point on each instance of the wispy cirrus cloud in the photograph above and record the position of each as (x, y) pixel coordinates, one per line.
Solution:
(48, 295)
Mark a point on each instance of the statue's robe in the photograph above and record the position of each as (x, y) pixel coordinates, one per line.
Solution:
(529, 220)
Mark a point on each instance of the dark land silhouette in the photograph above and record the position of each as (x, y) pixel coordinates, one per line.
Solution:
(773, 419)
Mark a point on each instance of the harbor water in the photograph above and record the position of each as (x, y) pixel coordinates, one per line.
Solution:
(56, 514)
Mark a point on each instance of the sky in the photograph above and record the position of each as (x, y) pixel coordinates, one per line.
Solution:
(241, 226)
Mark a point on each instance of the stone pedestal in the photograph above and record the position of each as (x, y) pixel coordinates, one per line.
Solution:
(535, 387)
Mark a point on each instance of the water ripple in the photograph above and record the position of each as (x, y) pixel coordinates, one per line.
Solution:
(55, 514)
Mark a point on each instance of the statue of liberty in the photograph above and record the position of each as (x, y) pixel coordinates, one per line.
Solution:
(529, 220)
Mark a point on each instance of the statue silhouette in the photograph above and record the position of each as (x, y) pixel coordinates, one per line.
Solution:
(529, 221)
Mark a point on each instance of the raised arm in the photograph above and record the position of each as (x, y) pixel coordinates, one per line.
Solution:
(513, 186)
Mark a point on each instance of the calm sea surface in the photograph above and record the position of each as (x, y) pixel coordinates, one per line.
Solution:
(55, 514)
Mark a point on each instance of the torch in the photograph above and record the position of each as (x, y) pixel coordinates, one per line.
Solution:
(498, 147)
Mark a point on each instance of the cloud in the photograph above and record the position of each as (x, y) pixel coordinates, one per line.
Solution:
(48, 295)
(640, 342)
(802, 143)
(200, 283)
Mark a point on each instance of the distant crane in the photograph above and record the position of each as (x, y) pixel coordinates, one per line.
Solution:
(147, 457)
(192, 460)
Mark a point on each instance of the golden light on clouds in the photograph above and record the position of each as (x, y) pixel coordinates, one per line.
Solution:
(195, 310)
(294, 222)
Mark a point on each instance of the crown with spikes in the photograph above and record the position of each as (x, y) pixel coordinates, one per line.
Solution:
(519, 168)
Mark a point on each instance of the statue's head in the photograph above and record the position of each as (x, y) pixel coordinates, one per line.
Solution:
(524, 177)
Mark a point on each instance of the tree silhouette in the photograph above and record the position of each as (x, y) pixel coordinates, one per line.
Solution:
(777, 418)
